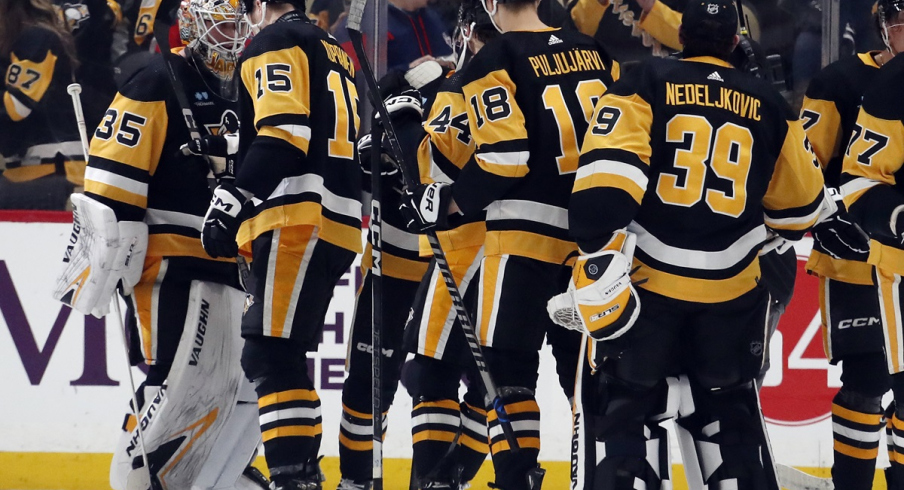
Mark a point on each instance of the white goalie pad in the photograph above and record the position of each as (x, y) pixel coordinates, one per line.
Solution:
(100, 253)
(185, 424)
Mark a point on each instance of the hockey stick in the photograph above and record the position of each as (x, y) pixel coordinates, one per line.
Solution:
(794, 479)
(75, 91)
(355, 13)
(376, 283)
(161, 30)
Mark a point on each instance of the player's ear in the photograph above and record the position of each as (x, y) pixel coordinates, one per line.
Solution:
(681, 35)
(734, 42)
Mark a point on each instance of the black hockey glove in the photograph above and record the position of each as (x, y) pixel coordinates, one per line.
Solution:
(426, 206)
(220, 152)
(228, 208)
(404, 104)
(841, 238)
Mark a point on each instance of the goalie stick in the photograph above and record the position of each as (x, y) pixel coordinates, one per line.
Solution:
(376, 283)
(355, 13)
(75, 91)
(794, 479)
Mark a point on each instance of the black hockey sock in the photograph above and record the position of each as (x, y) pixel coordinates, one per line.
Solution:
(857, 435)
(434, 429)
(473, 444)
(511, 468)
(290, 424)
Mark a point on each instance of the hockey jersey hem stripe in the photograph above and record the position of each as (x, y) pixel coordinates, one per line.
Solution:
(697, 259)
(848, 271)
(173, 245)
(313, 183)
(292, 134)
(399, 238)
(116, 194)
(537, 212)
(530, 245)
(298, 214)
(164, 217)
(466, 236)
(395, 266)
(697, 290)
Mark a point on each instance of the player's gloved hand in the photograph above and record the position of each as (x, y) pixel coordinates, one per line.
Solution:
(389, 169)
(840, 237)
(227, 210)
(220, 152)
(426, 206)
(404, 104)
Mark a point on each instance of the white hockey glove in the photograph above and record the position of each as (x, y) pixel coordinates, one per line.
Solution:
(101, 253)
(426, 206)
(220, 151)
(600, 301)
(406, 103)
(228, 209)
(838, 235)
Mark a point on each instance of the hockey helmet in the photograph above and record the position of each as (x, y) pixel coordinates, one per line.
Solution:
(214, 32)
(601, 300)
(472, 20)
(886, 11)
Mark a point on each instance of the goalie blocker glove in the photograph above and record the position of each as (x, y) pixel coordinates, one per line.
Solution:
(601, 300)
(427, 206)
(228, 208)
(220, 152)
(839, 236)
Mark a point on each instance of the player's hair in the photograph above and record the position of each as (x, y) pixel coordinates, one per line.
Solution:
(18, 15)
(696, 45)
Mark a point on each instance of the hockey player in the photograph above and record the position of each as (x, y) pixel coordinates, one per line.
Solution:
(38, 134)
(144, 192)
(296, 198)
(850, 309)
(450, 441)
(695, 159)
(871, 167)
(402, 269)
(530, 84)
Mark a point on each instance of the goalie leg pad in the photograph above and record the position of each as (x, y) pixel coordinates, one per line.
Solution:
(182, 423)
(289, 408)
(728, 439)
(631, 448)
(100, 253)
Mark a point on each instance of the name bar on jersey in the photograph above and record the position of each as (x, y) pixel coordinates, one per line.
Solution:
(698, 94)
(567, 62)
(337, 55)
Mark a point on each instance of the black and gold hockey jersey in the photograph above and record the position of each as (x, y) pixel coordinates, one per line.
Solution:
(299, 112)
(529, 98)
(446, 148)
(829, 113)
(135, 165)
(38, 132)
(697, 159)
(872, 172)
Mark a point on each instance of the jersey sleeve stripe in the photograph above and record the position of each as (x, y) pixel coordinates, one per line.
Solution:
(612, 173)
(102, 176)
(800, 222)
(855, 188)
(16, 109)
(730, 257)
(547, 214)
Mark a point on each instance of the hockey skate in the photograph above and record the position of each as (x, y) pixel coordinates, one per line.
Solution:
(310, 479)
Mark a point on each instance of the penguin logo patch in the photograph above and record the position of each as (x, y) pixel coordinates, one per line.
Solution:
(229, 124)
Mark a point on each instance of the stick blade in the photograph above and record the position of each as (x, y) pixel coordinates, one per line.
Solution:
(794, 479)
(355, 14)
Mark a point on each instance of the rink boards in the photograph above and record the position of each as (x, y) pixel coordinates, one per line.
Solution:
(65, 387)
